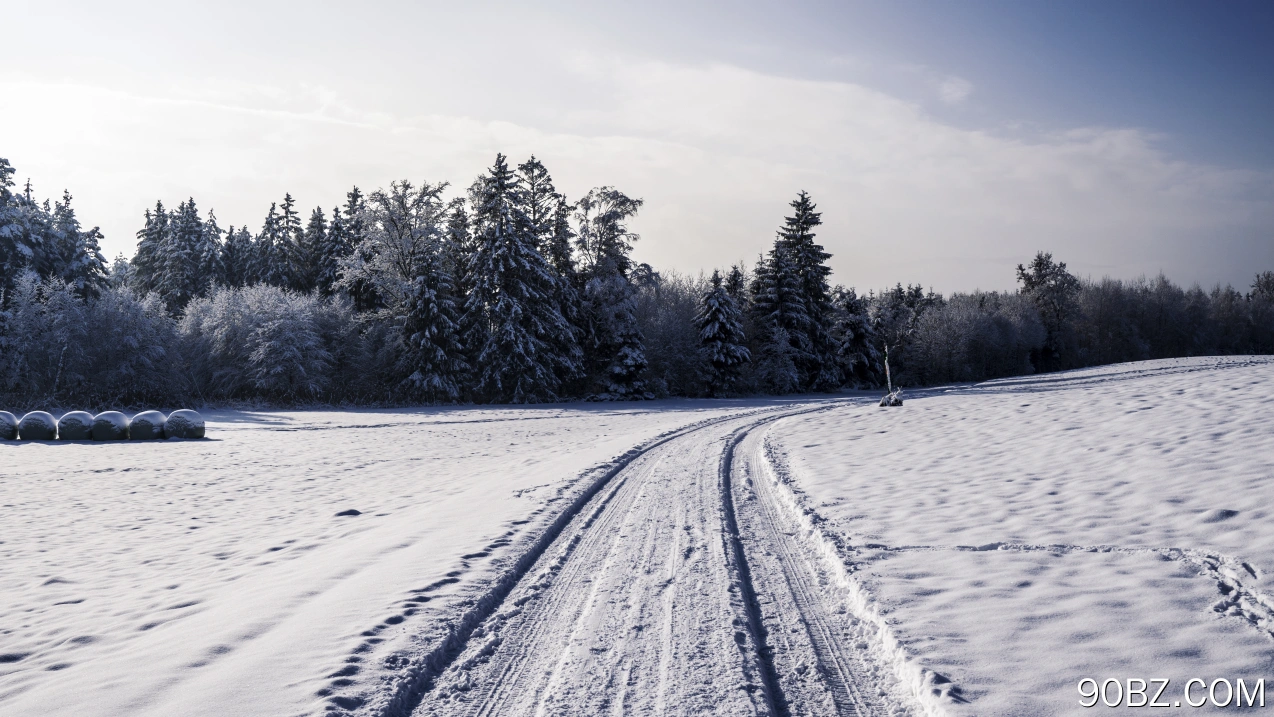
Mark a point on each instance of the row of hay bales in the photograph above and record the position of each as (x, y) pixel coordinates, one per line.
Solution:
(107, 426)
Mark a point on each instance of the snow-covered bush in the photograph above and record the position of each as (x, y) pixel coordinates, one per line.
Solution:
(110, 426)
(893, 398)
(146, 426)
(263, 340)
(75, 426)
(37, 426)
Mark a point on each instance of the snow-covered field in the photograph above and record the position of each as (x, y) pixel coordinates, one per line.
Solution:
(977, 551)
(1021, 535)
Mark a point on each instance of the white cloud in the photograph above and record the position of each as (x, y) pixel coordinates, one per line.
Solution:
(716, 151)
(954, 90)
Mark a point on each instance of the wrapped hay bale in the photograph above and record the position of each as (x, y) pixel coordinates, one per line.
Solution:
(37, 426)
(146, 426)
(184, 423)
(110, 426)
(75, 426)
(8, 426)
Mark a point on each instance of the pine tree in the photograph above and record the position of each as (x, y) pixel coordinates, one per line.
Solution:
(614, 350)
(544, 218)
(210, 266)
(334, 247)
(76, 255)
(148, 259)
(270, 253)
(782, 325)
(721, 337)
(178, 258)
(433, 356)
(236, 258)
(817, 364)
(515, 320)
(15, 253)
(856, 341)
(311, 243)
(292, 254)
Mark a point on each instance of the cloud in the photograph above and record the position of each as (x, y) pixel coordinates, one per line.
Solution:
(716, 151)
(954, 90)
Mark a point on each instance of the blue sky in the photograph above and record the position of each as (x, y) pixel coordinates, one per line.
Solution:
(944, 142)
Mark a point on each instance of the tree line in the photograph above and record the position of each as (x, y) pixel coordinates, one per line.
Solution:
(511, 293)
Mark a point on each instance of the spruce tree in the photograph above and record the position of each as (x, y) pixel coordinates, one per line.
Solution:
(544, 217)
(817, 364)
(292, 253)
(856, 342)
(782, 326)
(433, 356)
(236, 258)
(175, 281)
(76, 254)
(721, 337)
(270, 253)
(147, 261)
(334, 247)
(209, 255)
(15, 253)
(515, 321)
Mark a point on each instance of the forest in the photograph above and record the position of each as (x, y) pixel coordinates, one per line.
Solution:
(512, 293)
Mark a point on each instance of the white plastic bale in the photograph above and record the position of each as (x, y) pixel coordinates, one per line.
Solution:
(75, 426)
(8, 426)
(110, 426)
(146, 426)
(184, 423)
(38, 426)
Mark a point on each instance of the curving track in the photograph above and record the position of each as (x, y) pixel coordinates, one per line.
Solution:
(681, 588)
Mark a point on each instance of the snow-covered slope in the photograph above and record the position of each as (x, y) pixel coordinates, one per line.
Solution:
(1021, 535)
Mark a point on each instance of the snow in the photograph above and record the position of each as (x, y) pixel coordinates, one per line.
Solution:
(216, 577)
(1020, 535)
(978, 550)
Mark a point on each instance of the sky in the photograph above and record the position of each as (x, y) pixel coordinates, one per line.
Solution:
(944, 142)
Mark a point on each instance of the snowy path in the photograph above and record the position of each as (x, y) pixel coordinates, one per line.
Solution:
(641, 606)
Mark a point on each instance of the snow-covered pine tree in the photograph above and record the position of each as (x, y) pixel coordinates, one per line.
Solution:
(334, 247)
(210, 266)
(77, 254)
(178, 258)
(782, 326)
(514, 318)
(545, 216)
(856, 343)
(270, 253)
(293, 254)
(614, 351)
(236, 258)
(15, 253)
(720, 325)
(308, 244)
(433, 357)
(736, 285)
(818, 367)
(148, 259)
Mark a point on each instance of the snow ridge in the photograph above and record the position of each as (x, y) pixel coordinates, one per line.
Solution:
(925, 691)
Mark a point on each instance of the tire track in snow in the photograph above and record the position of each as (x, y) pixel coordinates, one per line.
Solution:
(822, 674)
(403, 697)
(637, 609)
